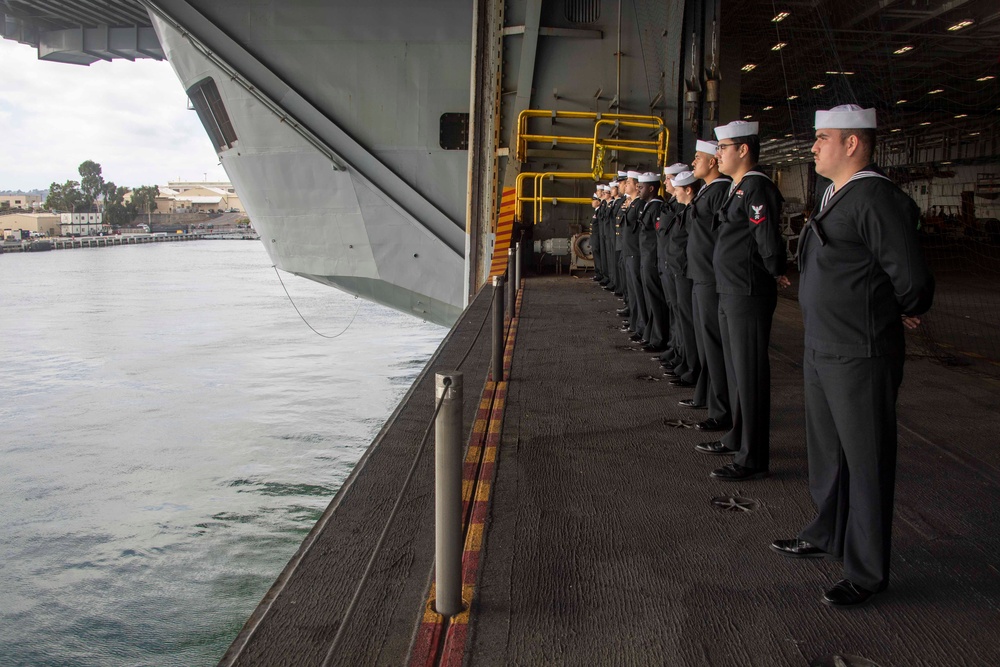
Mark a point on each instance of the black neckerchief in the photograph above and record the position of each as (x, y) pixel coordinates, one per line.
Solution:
(831, 198)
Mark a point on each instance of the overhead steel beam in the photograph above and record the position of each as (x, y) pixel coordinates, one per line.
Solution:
(941, 9)
(526, 64)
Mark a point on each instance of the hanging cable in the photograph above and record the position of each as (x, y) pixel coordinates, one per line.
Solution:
(304, 319)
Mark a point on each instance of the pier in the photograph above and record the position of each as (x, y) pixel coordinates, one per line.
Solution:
(594, 534)
(68, 243)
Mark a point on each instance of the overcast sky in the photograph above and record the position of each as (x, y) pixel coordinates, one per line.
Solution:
(130, 117)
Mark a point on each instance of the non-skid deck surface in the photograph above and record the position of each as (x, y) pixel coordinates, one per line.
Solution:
(603, 546)
(296, 622)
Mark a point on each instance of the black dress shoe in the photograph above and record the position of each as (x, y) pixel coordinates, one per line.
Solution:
(797, 549)
(670, 374)
(608, 288)
(845, 595)
(596, 279)
(623, 312)
(679, 382)
(624, 327)
(716, 448)
(635, 338)
(619, 294)
(689, 403)
(651, 348)
(711, 424)
(734, 472)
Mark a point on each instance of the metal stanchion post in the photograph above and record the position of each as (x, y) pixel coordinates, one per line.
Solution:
(511, 285)
(517, 265)
(448, 494)
(498, 343)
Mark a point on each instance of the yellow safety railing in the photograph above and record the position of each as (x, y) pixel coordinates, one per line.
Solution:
(599, 146)
(657, 147)
(538, 180)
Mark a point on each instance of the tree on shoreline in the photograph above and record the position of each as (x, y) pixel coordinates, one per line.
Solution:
(117, 212)
(91, 183)
(144, 200)
(65, 197)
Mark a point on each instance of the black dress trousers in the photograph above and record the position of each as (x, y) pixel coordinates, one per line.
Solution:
(685, 329)
(636, 298)
(658, 319)
(596, 249)
(851, 436)
(713, 364)
(745, 325)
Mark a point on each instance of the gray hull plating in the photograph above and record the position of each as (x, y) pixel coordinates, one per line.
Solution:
(337, 157)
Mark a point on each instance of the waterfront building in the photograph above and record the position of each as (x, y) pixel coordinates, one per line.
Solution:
(82, 224)
(21, 201)
(45, 224)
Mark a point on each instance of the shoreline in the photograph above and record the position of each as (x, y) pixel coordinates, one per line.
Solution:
(65, 243)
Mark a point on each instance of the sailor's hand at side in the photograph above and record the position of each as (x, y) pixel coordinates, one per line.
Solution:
(911, 322)
(783, 282)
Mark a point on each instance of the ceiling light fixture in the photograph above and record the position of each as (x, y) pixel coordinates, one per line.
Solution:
(961, 24)
(973, 134)
(936, 91)
(903, 49)
(767, 108)
(962, 115)
(901, 101)
(747, 117)
(819, 85)
(895, 129)
(988, 77)
(927, 122)
(779, 46)
(793, 97)
(834, 72)
(780, 16)
(749, 67)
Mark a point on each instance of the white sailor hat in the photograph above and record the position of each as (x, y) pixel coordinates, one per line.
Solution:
(675, 169)
(649, 177)
(594, 196)
(706, 146)
(738, 128)
(601, 188)
(846, 117)
(622, 174)
(683, 178)
(633, 174)
(612, 184)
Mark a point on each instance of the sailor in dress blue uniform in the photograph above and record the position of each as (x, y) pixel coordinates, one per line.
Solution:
(749, 261)
(863, 279)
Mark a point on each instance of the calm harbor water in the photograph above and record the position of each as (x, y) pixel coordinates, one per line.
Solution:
(169, 431)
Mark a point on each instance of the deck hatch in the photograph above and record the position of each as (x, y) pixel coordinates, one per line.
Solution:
(454, 131)
(207, 101)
